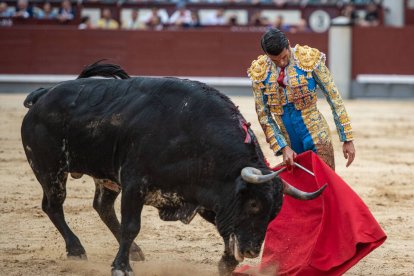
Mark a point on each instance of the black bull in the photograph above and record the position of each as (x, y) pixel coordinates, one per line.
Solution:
(175, 144)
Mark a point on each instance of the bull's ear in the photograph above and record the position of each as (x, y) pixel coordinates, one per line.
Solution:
(241, 187)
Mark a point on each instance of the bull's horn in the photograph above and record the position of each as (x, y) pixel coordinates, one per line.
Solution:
(298, 194)
(255, 176)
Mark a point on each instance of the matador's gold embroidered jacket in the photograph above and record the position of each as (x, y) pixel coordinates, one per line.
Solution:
(289, 116)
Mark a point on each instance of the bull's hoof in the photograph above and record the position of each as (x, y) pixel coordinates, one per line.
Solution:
(78, 257)
(136, 254)
(75, 249)
(117, 272)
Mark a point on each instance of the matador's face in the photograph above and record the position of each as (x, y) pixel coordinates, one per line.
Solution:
(282, 59)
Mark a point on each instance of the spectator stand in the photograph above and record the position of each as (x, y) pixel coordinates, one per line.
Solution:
(237, 13)
(36, 6)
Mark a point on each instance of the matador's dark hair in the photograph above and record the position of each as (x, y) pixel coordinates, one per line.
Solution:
(274, 41)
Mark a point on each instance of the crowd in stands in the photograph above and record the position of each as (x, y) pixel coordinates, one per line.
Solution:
(182, 17)
(24, 10)
(276, 2)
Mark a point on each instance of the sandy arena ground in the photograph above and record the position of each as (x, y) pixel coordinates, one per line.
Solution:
(382, 175)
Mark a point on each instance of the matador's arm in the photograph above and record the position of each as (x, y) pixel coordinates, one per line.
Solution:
(325, 81)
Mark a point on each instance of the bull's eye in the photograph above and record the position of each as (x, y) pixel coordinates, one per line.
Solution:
(253, 206)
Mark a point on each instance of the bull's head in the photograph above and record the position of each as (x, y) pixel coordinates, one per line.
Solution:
(258, 199)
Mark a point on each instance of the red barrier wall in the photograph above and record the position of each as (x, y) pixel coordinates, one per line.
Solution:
(64, 50)
(383, 50)
(60, 50)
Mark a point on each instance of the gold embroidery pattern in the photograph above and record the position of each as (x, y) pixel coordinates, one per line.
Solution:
(282, 96)
(292, 75)
(263, 117)
(289, 94)
(271, 91)
(307, 58)
(273, 77)
(298, 91)
(320, 133)
(259, 69)
(302, 80)
(277, 99)
(331, 93)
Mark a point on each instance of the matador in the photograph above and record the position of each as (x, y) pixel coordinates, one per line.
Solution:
(284, 87)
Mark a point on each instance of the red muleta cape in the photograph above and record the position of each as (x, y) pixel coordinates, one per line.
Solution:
(324, 236)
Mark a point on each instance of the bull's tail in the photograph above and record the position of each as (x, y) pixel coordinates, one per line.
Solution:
(32, 98)
(94, 70)
(103, 70)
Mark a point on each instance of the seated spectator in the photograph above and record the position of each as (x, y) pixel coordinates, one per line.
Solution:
(85, 24)
(280, 24)
(23, 10)
(301, 27)
(349, 12)
(280, 3)
(106, 21)
(181, 16)
(217, 19)
(155, 15)
(195, 21)
(255, 19)
(46, 13)
(372, 16)
(258, 20)
(134, 23)
(66, 12)
(233, 20)
(5, 11)
(155, 23)
(234, 1)
(324, 2)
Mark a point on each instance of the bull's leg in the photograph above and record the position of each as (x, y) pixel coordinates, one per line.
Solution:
(48, 156)
(54, 194)
(132, 202)
(227, 262)
(103, 203)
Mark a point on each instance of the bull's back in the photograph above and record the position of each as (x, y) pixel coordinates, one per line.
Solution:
(100, 122)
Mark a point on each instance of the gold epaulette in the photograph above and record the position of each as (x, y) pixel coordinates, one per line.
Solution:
(307, 58)
(259, 69)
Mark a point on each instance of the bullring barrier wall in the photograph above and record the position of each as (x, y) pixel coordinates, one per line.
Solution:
(219, 53)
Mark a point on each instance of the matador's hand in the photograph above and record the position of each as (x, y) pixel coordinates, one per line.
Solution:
(349, 152)
(288, 156)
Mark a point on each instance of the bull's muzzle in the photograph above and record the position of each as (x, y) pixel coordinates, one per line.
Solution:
(251, 253)
(238, 254)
